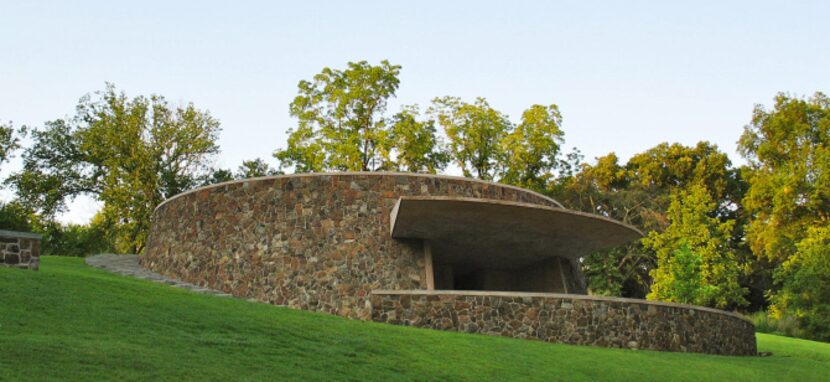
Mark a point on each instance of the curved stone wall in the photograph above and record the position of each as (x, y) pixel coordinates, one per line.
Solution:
(573, 319)
(313, 241)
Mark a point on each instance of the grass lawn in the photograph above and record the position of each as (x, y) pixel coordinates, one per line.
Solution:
(73, 322)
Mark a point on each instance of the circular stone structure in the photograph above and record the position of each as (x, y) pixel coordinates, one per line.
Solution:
(424, 250)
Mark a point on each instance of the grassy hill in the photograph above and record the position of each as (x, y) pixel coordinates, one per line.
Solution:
(73, 322)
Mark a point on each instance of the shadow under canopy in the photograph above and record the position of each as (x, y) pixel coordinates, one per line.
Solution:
(482, 244)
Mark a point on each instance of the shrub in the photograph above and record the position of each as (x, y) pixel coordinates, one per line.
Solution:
(786, 326)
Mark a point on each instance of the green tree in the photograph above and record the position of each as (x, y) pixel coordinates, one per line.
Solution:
(696, 263)
(415, 143)
(805, 277)
(255, 168)
(15, 217)
(532, 149)
(340, 119)
(9, 140)
(218, 175)
(475, 132)
(129, 153)
(638, 192)
(788, 150)
(788, 203)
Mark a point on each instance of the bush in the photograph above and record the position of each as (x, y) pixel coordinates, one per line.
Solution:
(805, 280)
(15, 217)
(786, 326)
(58, 239)
(75, 240)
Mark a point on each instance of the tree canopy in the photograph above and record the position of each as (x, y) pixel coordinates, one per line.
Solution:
(340, 114)
(129, 153)
(695, 261)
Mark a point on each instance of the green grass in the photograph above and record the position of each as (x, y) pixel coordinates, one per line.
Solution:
(72, 322)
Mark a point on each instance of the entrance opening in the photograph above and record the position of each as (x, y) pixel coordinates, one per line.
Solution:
(552, 275)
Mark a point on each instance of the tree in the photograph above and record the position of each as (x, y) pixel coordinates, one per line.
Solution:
(16, 217)
(531, 150)
(217, 175)
(696, 263)
(805, 278)
(415, 143)
(475, 132)
(788, 150)
(340, 119)
(129, 153)
(9, 140)
(638, 192)
(254, 169)
(788, 204)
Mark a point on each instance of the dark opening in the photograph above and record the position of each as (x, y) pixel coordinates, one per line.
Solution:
(549, 275)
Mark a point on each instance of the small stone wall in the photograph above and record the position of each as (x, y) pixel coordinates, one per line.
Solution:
(572, 319)
(19, 249)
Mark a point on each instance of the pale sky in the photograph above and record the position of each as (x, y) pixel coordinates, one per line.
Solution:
(626, 75)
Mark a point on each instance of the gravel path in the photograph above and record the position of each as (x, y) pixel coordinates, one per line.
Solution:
(128, 265)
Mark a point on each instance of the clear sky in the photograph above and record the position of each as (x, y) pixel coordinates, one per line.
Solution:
(627, 75)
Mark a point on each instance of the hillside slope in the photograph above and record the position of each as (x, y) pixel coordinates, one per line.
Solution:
(72, 322)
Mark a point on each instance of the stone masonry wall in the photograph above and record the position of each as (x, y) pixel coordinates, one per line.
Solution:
(315, 241)
(573, 319)
(20, 249)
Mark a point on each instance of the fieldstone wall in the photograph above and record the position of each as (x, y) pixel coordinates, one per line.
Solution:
(572, 319)
(313, 241)
(20, 249)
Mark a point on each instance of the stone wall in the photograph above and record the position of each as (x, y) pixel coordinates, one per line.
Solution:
(19, 249)
(573, 319)
(314, 241)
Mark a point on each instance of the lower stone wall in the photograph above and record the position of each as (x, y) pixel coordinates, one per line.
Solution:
(572, 319)
(19, 249)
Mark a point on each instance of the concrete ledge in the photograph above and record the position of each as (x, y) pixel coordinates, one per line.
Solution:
(573, 319)
(504, 232)
(25, 235)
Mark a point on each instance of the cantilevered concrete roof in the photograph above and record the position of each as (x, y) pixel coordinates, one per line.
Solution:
(504, 234)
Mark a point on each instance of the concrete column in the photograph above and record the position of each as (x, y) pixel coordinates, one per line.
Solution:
(430, 270)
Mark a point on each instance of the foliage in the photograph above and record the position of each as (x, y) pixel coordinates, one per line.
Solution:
(788, 150)
(76, 239)
(416, 143)
(219, 175)
(130, 153)
(72, 322)
(58, 239)
(788, 203)
(254, 169)
(532, 148)
(805, 281)
(695, 261)
(15, 217)
(603, 272)
(475, 132)
(638, 192)
(785, 326)
(9, 140)
(340, 119)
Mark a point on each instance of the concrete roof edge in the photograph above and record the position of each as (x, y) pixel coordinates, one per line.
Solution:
(563, 210)
(353, 173)
(418, 292)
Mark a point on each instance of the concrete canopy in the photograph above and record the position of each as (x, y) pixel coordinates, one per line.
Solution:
(503, 234)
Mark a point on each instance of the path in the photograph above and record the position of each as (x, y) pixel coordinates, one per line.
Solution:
(128, 265)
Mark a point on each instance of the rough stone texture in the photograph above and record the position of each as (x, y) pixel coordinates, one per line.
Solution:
(20, 249)
(573, 319)
(315, 242)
